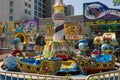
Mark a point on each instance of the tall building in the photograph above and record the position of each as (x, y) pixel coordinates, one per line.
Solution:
(48, 7)
(12, 10)
(69, 10)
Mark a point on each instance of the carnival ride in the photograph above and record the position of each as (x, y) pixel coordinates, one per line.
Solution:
(59, 56)
(101, 60)
(40, 66)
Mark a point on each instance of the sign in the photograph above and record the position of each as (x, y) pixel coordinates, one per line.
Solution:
(101, 18)
(74, 37)
(97, 10)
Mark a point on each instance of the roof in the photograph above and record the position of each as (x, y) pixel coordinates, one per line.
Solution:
(58, 3)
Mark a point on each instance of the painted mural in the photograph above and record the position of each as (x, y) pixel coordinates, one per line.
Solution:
(32, 25)
(101, 17)
(20, 29)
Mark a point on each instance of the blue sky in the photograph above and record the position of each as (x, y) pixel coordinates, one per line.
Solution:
(78, 4)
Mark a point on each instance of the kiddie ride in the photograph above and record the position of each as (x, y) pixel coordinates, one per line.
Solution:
(31, 64)
(59, 55)
(63, 61)
(100, 60)
(62, 49)
(58, 61)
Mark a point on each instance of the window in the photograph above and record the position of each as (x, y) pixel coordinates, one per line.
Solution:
(43, 16)
(11, 11)
(44, 11)
(26, 4)
(35, 1)
(29, 12)
(39, 3)
(29, 5)
(39, 15)
(44, 5)
(26, 11)
(35, 13)
(39, 9)
(35, 7)
(10, 18)
(11, 3)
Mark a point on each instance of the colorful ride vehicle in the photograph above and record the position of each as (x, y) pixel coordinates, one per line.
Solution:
(100, 63)
(43, 66)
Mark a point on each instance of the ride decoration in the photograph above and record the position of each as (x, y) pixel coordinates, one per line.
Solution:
(40, 66)
(50, 29)
(58, 19)
(10, 63)
(58, 49)
(96, 65)
(100, 60)
(28, 62)
(17, 47)
(59, 46)
(96, 17)
(70, 29)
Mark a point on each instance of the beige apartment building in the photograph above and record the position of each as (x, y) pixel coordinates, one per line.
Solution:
(13, 10)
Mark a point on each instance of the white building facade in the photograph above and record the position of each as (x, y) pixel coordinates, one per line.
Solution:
(13, 10)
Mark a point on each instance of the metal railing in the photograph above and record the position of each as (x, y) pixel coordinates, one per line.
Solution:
(7, 75)
(111, 75)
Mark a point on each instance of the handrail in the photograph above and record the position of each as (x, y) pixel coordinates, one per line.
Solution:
(111, 75)
(27, 76)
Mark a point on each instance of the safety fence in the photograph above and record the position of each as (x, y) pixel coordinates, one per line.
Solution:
(7, 75)
(111, 75)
